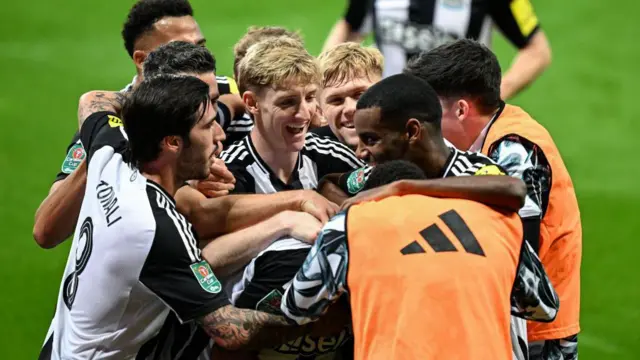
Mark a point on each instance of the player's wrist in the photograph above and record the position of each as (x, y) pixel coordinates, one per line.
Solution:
(283, 224)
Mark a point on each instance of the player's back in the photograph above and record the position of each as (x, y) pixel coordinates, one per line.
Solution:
(431, 278)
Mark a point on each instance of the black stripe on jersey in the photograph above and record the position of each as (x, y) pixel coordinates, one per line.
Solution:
(271, 271)
(420, 12)
(175, 341)
(47, 349)
(169, 271)
(239, 151)
(335, 149)
(477, 17)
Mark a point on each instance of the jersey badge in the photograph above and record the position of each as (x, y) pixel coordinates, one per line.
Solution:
(355, 181)
(205, 277)
(270, 303)
(489, 170)
(74, 157)
(114, 121)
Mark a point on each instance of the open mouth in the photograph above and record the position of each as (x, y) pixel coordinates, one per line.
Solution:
(294, 129)
(348, 125)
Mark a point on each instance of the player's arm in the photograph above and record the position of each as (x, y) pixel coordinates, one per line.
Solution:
(174, 271)
(518, 22)
(96, 101)
(351, 27)
(532, 296)
(496, 189)
(219, 216)
(524, 160)
(322, 278)
(230, 252)
(58, 214)
(56, 217)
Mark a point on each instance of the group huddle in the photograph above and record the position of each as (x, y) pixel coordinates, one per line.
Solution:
(309, 208)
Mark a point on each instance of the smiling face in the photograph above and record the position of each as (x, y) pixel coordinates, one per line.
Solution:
(339, 105)
(284, 115)
(377, 143)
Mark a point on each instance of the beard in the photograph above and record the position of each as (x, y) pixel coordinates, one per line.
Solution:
(193, 164)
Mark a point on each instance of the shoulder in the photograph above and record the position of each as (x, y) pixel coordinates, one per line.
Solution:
(318, 146)
(237, 154)
(226, 85)
(473, 163)
(173, 233)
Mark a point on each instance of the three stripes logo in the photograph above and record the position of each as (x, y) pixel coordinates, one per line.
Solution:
(439, 242)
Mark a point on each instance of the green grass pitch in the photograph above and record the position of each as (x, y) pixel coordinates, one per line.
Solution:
(51, 53)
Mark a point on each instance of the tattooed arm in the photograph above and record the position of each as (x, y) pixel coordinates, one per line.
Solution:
(233, 328)
(95, 101)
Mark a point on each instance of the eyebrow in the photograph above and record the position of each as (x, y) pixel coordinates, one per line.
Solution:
(201, 42)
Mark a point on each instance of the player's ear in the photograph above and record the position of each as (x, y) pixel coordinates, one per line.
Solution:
(172, 144)
(414, 130)
(462, 108)
(251, 102)
(139, 56)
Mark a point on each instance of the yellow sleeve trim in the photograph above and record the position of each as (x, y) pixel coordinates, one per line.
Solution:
(233, 87)
(489, 170)
(525, 17)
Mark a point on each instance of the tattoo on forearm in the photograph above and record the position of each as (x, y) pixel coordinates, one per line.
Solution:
(100, 101)
(233, 328)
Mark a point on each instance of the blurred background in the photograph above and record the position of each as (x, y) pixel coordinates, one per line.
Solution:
(53, 51)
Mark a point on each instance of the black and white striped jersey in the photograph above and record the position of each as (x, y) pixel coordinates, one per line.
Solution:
(404, 28)
(459, 163)
(318, 157)
(75, 152)
(134, 279)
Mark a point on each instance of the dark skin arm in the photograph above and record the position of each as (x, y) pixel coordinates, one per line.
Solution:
(328, 188)
(496, 190)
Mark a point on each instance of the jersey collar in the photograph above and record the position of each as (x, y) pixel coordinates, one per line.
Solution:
(477, 144)
(294, 181)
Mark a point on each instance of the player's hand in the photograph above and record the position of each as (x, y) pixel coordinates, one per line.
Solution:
(318, 119)
(378, 193)
(315, 204)
(219, 182)
(301, 226)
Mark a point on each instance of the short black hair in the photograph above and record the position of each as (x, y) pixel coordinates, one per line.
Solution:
(165, 105)
(463, 68)
(179, 57)
(145, 13)
(401, 97)
(391, 171)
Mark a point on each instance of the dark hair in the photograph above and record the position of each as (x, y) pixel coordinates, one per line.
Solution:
(391, 171)
(179, 57)
(145, 13)
(401, 97)
(463, 68)
(165, 105)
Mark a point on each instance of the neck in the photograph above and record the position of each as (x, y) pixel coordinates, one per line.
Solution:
(164, 176)
(473, 128)
(281, 163)
(434, 159)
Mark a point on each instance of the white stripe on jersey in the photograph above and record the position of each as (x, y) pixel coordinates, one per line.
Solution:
(187, 239)
(333, 148)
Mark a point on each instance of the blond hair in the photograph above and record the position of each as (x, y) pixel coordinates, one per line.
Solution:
(254, 35)
(276, 63)
(348, 61)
